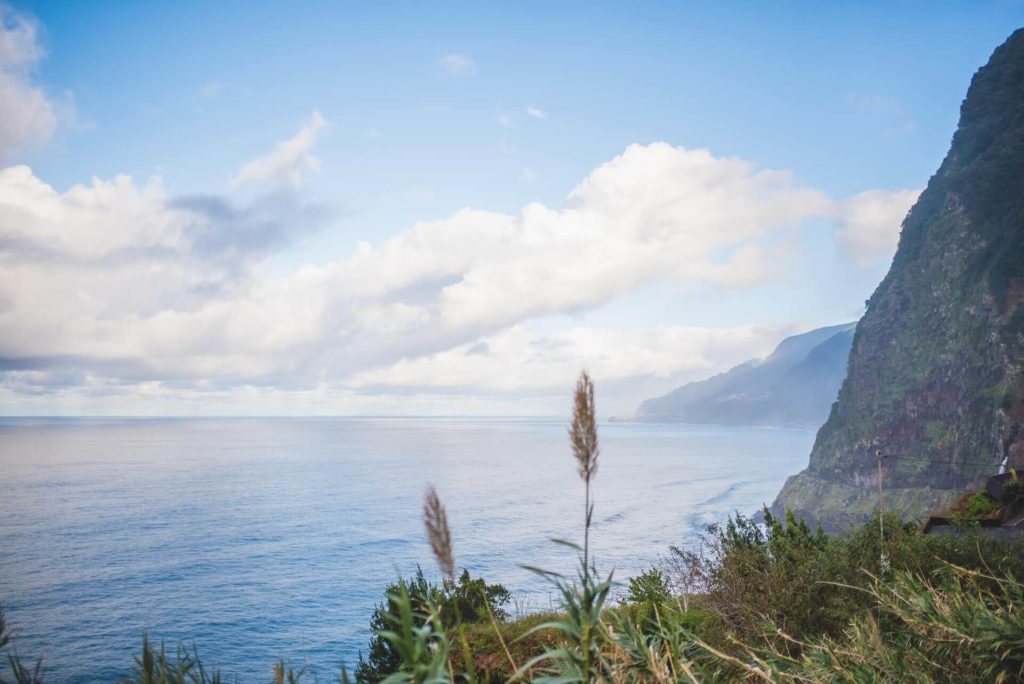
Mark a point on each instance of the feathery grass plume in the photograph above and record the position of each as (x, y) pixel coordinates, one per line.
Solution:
(436, 521)
(583, 437)
(583, 433)
(578, 658)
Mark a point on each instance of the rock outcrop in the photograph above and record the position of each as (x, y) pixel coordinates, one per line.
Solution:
(935, 372)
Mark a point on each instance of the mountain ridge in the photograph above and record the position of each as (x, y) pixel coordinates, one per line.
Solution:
(794, 386)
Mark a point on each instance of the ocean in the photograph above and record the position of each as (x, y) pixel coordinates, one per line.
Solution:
(256, 539)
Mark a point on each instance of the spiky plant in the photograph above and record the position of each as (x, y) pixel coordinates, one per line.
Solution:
(154, 666)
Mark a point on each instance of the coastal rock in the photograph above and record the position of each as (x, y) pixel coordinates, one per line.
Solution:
(935, 371)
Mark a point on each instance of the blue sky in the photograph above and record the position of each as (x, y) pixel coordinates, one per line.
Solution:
(407, 113)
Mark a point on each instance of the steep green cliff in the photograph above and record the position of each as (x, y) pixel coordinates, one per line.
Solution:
(935, 371)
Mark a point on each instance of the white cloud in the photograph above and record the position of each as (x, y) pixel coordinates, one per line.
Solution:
(508, 118)
(132, 283)
(458, 64)
(116, 284)
(535, 112)
(289, 160)
(869, 227)
(520, 359)
(26, 114)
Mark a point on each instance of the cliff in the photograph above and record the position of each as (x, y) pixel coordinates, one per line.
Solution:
(935, 372)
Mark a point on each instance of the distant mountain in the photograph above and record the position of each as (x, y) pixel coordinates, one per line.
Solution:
(936, 372)
(794, 386)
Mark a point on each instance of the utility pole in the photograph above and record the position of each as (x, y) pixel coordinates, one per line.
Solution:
(881, 517)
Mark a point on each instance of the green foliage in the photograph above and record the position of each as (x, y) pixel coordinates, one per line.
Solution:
(763, 581)
(524, 638)
(467, 601)
(749, 573)
(975, 507)
(578, 657)
(184, 667)
(958, 625)
(646, 593)
(417, 638)
(648, 587)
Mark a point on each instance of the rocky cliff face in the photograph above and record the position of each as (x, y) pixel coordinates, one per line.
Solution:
(935, 372)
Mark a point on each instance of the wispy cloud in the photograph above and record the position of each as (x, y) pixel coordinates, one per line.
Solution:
(290, 159)
(535, 112)
(458, 64)
(27, 116)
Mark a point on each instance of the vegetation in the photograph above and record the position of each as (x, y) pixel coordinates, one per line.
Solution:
(465, 602)
(769, 601)
(975, 506)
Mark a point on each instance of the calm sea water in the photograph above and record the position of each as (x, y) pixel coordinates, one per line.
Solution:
(262, 538)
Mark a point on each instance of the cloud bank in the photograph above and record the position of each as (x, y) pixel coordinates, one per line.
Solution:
(116, 288)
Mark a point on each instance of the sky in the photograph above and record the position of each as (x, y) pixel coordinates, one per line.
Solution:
(255, 208)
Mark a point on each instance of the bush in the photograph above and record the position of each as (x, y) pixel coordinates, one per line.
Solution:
(464, 602)
(975, 506)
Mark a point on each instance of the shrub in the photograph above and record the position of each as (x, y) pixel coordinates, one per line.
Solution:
(975, 506)
(466, 601)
